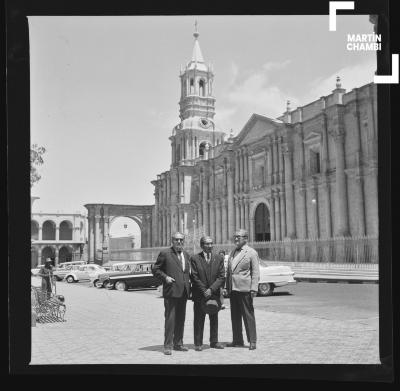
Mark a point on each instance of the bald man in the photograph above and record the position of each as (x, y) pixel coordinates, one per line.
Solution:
(242, 279)
(173, 269)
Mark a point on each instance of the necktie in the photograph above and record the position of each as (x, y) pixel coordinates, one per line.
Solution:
(182, 260)
(208, 258)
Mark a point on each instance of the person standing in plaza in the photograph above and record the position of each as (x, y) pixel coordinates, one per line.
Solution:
(242, 284)
(207, 277)
(173, 269)
(46, 272)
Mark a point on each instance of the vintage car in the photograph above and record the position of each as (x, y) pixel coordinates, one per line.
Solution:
(135, 274)
(108, 268)
(61, 271)
(274, 276)
(83, 272)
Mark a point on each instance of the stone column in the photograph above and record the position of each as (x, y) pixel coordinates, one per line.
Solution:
(271, 211)
(270, 163)
(275, 160)
(187, 147)
(91, 223)
(341, 187)
(224, 222)
(303, 210)
(327, 204)
(237, 215)
(40, 235)
(205, 202)
(173, 152)
(218, 221)
(237, 172)
(159, 228)
(246, 171)
(290, 208)
(40, 256)
(250, 178)
(230, 204)
(212, 219)
(246, 214)
(242, 171)
(277, 216)
(242, 214)
(56, 254)
(314, 205)
(169, 234)
(283, 212)
(299, 131)
(57, 232)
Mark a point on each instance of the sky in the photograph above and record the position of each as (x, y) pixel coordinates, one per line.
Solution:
(105, 90)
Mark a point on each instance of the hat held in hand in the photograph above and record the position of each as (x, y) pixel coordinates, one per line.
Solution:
(210, 306)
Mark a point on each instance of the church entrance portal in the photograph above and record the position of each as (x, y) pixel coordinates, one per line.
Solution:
(262, 230)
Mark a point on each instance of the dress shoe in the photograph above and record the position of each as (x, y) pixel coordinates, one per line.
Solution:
(167, 352)
(198, 348)
(234, 345)
(252, 346)
(216, 345)
(181, 348)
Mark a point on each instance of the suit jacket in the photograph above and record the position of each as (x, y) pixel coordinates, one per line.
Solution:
(205, 276)
(168, 264)
(243, 271)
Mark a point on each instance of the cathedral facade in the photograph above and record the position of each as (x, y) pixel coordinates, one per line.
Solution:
(309, 174)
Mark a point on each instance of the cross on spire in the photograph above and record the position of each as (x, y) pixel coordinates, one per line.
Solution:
(196, 33)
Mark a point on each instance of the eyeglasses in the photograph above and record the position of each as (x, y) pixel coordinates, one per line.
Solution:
(240, 236)
(178, 240)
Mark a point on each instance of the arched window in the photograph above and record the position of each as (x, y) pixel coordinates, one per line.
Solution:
(202, 89)
(191, 86)
(202, 148)
(178, 152)
(261, 224)
(47, 252)
(49, 230)
(34, 230)
(66, 230)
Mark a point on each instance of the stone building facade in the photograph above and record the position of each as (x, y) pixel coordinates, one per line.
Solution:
(311, 173)
(61, 236)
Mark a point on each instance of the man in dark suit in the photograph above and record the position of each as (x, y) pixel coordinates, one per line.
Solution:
(242, 279)
(208, 276)
(172, 267)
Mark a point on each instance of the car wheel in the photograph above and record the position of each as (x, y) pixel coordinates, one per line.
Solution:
(266, 289)
(98, 284)
(121, 286)
(70, 279)
(109, 285)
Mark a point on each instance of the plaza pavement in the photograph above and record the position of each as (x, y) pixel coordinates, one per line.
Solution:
(112, 327)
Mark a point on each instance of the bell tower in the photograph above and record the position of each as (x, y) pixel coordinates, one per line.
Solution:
(195, 136)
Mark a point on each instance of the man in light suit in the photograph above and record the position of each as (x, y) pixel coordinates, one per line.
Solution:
(208, 276)
(172, 268)
(242, 279)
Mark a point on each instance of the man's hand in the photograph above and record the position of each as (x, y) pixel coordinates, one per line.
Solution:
(253, 294)
(207, 293)
(169, 280)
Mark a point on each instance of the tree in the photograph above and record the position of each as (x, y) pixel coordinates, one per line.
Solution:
(36, 160)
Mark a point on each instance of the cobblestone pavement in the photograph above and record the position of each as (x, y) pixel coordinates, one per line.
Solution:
(112, 327)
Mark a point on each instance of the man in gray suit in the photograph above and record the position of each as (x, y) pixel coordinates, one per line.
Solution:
(242, 279)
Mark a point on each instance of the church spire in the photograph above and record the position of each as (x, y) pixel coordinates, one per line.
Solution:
(197, 56)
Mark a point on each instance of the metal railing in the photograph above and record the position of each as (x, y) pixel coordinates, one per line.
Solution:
(351, 250)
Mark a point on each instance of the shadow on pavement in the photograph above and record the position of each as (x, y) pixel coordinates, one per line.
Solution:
(160, 348)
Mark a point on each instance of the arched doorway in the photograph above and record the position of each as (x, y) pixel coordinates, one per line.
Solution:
(66, 230)
(49, 230)
(47, 252)
(262, 231)
(125, 233)
(34, 230)
(65, 254)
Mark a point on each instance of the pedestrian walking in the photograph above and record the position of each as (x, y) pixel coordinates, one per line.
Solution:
(242, 284)
(172, 267)
(207, 279)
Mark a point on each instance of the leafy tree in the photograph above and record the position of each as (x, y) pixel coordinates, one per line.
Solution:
(36, 160)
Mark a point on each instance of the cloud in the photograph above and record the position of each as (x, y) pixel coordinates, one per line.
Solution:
(351, 77)
(255, 93)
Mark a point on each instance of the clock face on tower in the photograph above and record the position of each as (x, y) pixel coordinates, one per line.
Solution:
(205, 123)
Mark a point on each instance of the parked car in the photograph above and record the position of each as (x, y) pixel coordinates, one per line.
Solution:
(271, 277)
(136, 274)
(64, 268)
(83, 272)
(274, 276)
(116, 267)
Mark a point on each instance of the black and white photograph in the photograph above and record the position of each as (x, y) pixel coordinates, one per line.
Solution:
(205, 189)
